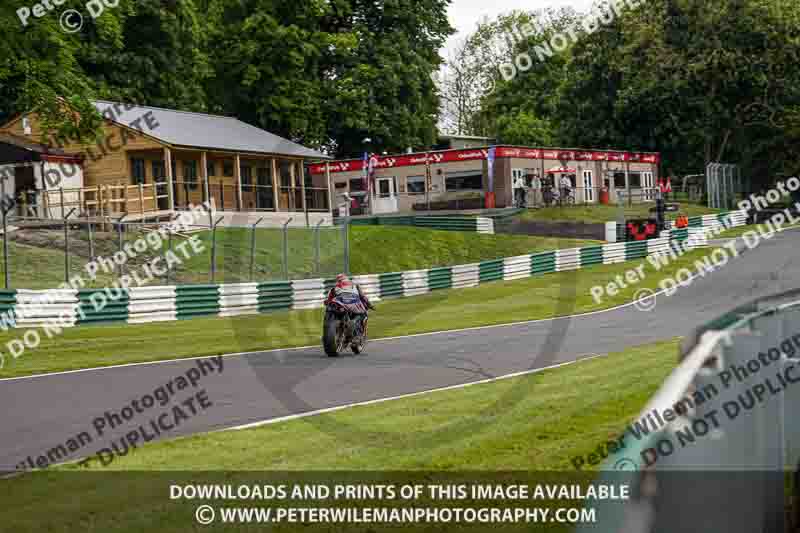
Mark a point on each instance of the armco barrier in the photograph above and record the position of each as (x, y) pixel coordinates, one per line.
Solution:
(721, 459)
(449, 223)
(615, 232)
(66, 308)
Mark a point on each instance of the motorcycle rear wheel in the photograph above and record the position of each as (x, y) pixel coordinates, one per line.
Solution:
(331, 335)
(361, 341)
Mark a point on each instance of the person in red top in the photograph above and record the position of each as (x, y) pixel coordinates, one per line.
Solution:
(350, 296)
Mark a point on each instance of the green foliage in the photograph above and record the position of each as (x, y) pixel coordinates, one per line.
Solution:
(699, 81)
(327, 74)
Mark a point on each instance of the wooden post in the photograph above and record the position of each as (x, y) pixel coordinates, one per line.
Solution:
(628, 182)
(292, 187)
(303, 186)
(204, 174)
(275, 184)
(168, 171)
(141, 200)
(237, 172)
(124, 197)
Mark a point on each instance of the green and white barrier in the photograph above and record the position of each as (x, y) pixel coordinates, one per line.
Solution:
(67, 308)
(465, 276)
(238, 299)
(151, 304)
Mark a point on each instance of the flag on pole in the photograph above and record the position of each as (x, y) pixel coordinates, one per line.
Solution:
(490, 159)
(365, 169)
(428, 177)
(428, 181)
(372, 166)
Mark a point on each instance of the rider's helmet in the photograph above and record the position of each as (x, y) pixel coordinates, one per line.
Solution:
(342, 279)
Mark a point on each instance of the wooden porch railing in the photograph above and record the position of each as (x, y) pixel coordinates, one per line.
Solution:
(102, 200)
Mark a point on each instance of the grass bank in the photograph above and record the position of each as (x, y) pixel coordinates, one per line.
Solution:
(37, 261)
(592, 214)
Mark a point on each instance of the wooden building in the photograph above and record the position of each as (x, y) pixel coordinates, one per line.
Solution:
(151, 160)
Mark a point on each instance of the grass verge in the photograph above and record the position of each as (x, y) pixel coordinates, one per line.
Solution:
(605, 213)
(539, 297)
(563, 413)
(741, 230)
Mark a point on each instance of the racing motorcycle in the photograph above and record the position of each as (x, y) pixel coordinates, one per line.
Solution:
(340, 330)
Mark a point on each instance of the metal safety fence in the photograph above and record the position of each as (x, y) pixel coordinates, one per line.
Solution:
(724, 185)
(44, 253)
(67, 307)
(718, 444)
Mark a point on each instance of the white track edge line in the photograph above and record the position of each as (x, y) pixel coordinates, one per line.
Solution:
(287, 418)
(267, 421)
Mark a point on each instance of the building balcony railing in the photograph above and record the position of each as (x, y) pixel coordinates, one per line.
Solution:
(151, 198)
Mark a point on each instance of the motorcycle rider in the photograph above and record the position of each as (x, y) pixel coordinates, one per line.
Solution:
(352, 298)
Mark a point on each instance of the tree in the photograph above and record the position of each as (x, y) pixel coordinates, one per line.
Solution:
(40, 72)
(523, 107)
(462, 83)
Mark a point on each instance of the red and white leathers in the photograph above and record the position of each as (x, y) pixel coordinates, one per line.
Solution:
(349, 296)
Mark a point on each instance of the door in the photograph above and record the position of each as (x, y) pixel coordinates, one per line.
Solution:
(385, 199)
(649, 186)
(588, 187)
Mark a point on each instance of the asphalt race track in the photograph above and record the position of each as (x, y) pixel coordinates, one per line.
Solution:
(42, 412)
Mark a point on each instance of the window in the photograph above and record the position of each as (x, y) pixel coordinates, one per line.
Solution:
(385, 187)
(247, 178)
(190, 173)
(227, 168)
(532, 178)
(137, 171)
(464, 181)
(285, 173)
(619, 180)
(415, 185)
(588, 186)
(159, 171)
(635, 179)
(264, 177)
(357, 184)
(210, 168)
(648, 183)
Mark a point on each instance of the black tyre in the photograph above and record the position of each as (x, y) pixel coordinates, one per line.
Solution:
(330, 330)
(361, 342)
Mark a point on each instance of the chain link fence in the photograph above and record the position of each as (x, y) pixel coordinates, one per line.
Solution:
(44, 253)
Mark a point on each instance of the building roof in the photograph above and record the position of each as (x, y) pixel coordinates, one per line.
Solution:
(15, 149)
(466, 137)
(481, 153)
(200, 130)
